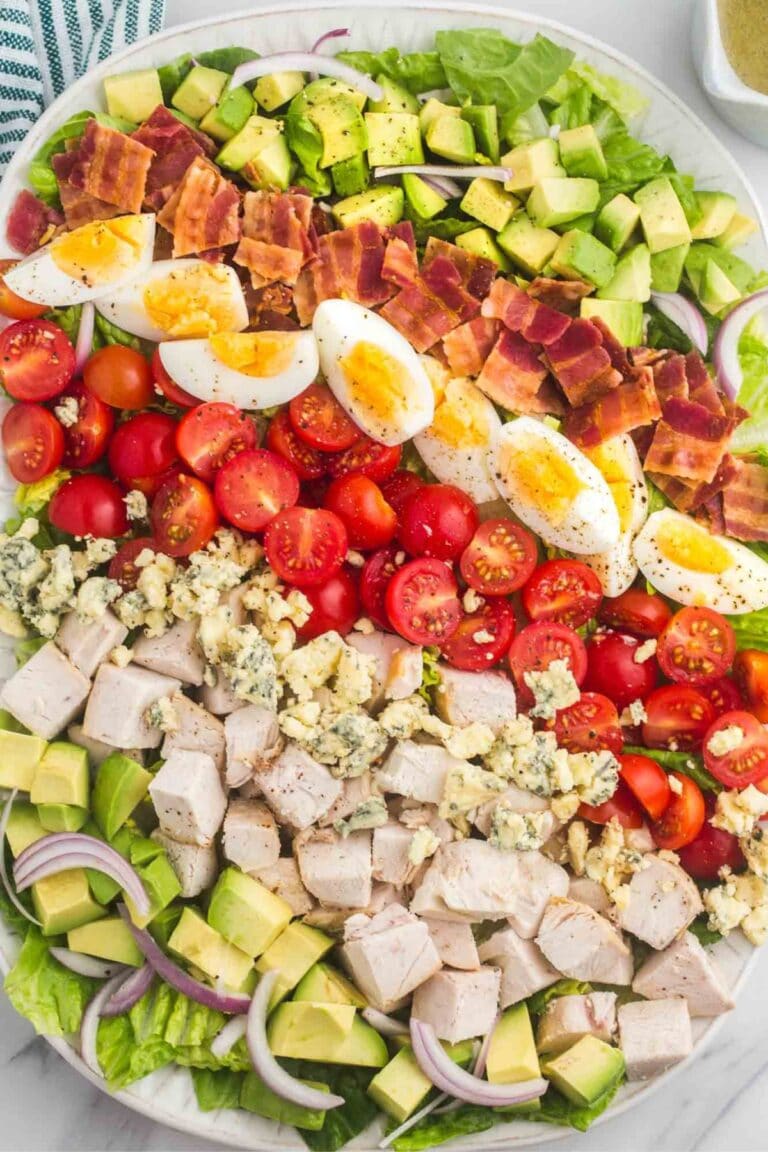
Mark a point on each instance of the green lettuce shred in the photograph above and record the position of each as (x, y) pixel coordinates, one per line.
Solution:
(686, 763)
(51, 997)
(416, 71)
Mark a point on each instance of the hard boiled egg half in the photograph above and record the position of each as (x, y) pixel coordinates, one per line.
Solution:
(178, 299)
(684, 561)
(85, 263)
(373, 372)
(247, 369)
(554, 489)
(456, 445)
(618, 462)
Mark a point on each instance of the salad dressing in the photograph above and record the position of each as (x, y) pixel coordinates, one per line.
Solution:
(744, 31)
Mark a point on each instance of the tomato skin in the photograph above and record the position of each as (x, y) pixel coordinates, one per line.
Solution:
(622, 806)
(678, 718)
(375, 576)
(697, 645)
(683, 817)
(16, 307)
(636, 612)
(499, 558)
(119, 376)
(723, 694)
(369, 520)
(33, 441)
(422, 601)
(252, 487)
(534, 649)
(86, 441)
(210, 434)
(564, 590)
(319, 420)
(335, 605)
(747, 764)
(369, 458)
(588, 725)
(169, 389)
(37, 360)
(614, 672)
(305, 546)
(711, 850)
(142, 450)
(750, 669)
(282, 439)
(183, 515)
(462, 650)
(647, 781)
(440, 520)
(399, 487)
(89, 506)
(122, 567)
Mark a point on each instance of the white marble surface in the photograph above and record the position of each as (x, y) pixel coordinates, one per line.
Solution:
(718, 1105)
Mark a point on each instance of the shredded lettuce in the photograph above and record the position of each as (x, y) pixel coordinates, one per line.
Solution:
(664, 333)
(753, 394)
(226, 59)
(68, 319)
(32, 498)
(172, 74)
(751, 629)
(434, 1130)
(686, 763)
(624, 99)
(51, 997)
(416, 71)
(219, 1088)
(353, 1117)
(701, 930)
(108, 333)
(306, 143)
(555, 1109)
(538, 1002)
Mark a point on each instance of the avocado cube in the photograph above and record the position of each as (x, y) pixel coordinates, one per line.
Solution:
(393, 138)
(717, 212)
(401, 1086)
(421, 199)
(62, 817)
(579, 256)
(199, 91)
(528, 247)
(452, 138)
(328, 88)
(716, 291)
(340, 124)
(586, 1071)
(737, 233)
(489, 202)
(394, 98)
(512, 1053)
(432, 109)
(229, 115)
(133, 95)
(271, 167)
(162, 886)
(61, 776)
(23, 828)
(272, 92)
(617, 221)
(246, 913)
(63, 902)
(667, 268)
(201, 945)
(662, 217)
(109, 939)
(555, 201)
(623, 317)
(484, 119)
(20, 756)
(256, 1097)
(325, 985)
(631, 279)
(351, 176)
(332, 1033)
(532, 162)
(293, 954)
(383, 204)
(480, 242)
(121, 784)
(255, 134)
(581, 152)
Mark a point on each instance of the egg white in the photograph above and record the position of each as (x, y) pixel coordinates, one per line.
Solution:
(616, 567)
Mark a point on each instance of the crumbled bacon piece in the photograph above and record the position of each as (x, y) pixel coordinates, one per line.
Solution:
(476, 274)
(400, 266)
(111, 166)
(79, 207)
(689, 441)
(562, 295)
(30, 223)
(203, 212)
(348, 264)
(268, 263)
(688, 495)
(701, 387)
(175, 146)
(513, 374)
(670, 378)
(580, 363)
(517, 311)
(745, 501)
(631, 405)
(468, 347)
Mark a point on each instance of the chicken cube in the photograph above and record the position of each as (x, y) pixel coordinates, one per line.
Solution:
(455, 944)
(196, 866)
(46, 693)
(355, 790)
(458, 1005)
(284, 879)
(388, 955)
(297, 788)
(684, 969)
(251, 839)
(588, 891)
(475, 697)
(584, 945)
(540, 880)
(337, 869)
(391, 845)
(88, 645)
(418, 771)
(196, 731)
(118, 702)
(568, 1019)
(663, 900)
(98, 751)
(253, 738)
(219, 698)
(639, 839)
(654, 1035)
(524, 969)
(398, 668)
(176, 653)
(188, 798)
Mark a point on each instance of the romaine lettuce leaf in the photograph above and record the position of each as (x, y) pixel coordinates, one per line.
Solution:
(575, 110)
(416, 71)
(686, 763)
(306, 143)
(701, 930)
(217, 1089)
(538, 1002)
(51, 997)
(664, 333)
(434, 1130)
(172, 74)
(555, 1109)
(753, 394)
(30, 499)
(529, 125)
(751, 630)
(625, 99)
(344, 1123)
(226, 59)
(629, 160)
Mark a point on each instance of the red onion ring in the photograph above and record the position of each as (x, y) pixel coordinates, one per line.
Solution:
(89, 1025)
(384, 1024)
(63, 851)
(130, 991)
(334, 34)
(84, 345)
(452, 171)
(305, 62)
(444, 187)
(4, 877)
(482, 1056)
(725, 353)
(686, 315)
(224, 1041)
(438, 1067)
(86, 965)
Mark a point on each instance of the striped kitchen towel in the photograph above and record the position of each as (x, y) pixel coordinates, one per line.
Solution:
(46, 44)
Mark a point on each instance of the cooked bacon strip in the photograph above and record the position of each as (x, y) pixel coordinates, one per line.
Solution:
(562, 295)
(617, 353)
(400, 266)
(647, 356)
(203, 212)
(686, 495)
(701, 387)
(79, 207)
(403, 231)
(745, 501)
(282, 218)
(517, 311)
(711, 515)
(444, 280)
(580, 363)
(439, 299)
(348, 264)
(475, 272)
(513, 374)
(268, 263)
(468, 347)
(175, 146)
(631, 405)
(421, 316)
(30, 223)
(670, 378)
(689, 441)
(111, 166)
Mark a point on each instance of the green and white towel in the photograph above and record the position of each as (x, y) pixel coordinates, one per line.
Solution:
(46, 44)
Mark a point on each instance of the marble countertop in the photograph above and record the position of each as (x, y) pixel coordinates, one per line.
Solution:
(721, 1102)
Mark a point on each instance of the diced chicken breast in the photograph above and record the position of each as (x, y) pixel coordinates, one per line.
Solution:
(196, 731)
(388, 955)
(391, 844)
(336, 869)
(584, 945)
(458, 1005)
(455, 944)
(654, 1035)
(540, 880)
(354, 791)
(517, 799)
(298, 789)
(639, 839)
(524, 970)
(588, 891)
(219, 698)
(175, 653)
(418, 771)
(196, 866)
(88, 645)
(684, 969)
(568, 1019)
(382, 896)
(253, 738)
(398, 669)
(251, 839)
(484, 697)
(188, 798)
(118, 703)
(284, 880)
(47, 693)
(663, 900)
(97, 750)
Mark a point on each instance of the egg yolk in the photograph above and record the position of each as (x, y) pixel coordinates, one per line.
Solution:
(193, 301)
(611, 461)
(541, 476)
(690, 547)
(460, 419)
(258, 354)
(102, 251)
(377, 381)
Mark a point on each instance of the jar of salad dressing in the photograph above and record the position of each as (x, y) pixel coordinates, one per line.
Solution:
(744, 32)
(730, 52)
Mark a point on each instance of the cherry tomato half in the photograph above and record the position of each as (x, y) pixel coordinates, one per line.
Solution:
(534, 649)
(636, 612)
(712, 850)
(622, 806)
(319, 420)
(750, 669)
(37, 360)
(89, 506)
(210, 434)
(678, 718)
(614, 671)
(399, 487)
(183, 515)
(305, 546)
(122, 567)
(422, 601)
(33, 441)
(375, 576)
(120, 377)
(167, 386)
(13, 306)
(252, 487)
(588, 725)
(648, 783)
(371, 459)
(440, 520)
(723, 694)
(683, 818)
(746, 762)
(335, 605)
(499, 558)
(143, 450)
(697, 645)
(482, 637)
(357, 501)
(86, 440)
(281, 438)
(564, 590)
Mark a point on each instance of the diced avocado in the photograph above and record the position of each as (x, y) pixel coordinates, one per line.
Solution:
(586, 1071)
(61, 776)
(246, 913)
(581, 152)
(162, 886)
(133, 95)
(579, 256)
(484, 119)
(401, 1086)
(393, 138)
(667, 268)
(482, 243)
(452, 138)
(62, 817)
(201, 945)
(325, 985)
(632, 277)
(527, 246)
(327, 88)
(105, 889)
(255, 134)
(584, 223)
(716, 291)
(164, 924)
(271, 167)
(395, 98)
(737, 233)
(717, 212)
(121, 784)
(108, 939)
(556, 201)
(256, 1097)
(351, 176)
(182, 118)
(199, 91)
(20, 756)
(617, 221)
(489, 202)
(23, 828)
(423, 201)
(63, 902)
(383, 204)
(530, 163)
(9, 723)
(332, 1033)
(661, 215)
(623, 317)
(432, 109)
(293, 954)
(143, 851)
(273, 91)
(229, 115)
(512, 1051)
(333, 109)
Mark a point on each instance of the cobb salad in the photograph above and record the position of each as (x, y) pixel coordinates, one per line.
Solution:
(390, 588)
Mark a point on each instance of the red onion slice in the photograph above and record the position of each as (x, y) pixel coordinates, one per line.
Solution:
(89, 1025)
(726, 350)
(305, 62)
(452, 171)
(9, 889)
(686, 315)
(86, 965)
(225, 1040)
(444, 186)
(384, 1024)
(478, 1069)
(130, 991)
(273, 1075)
(84, 345)
(66, 850)
(438, 1067)
(334, 34)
